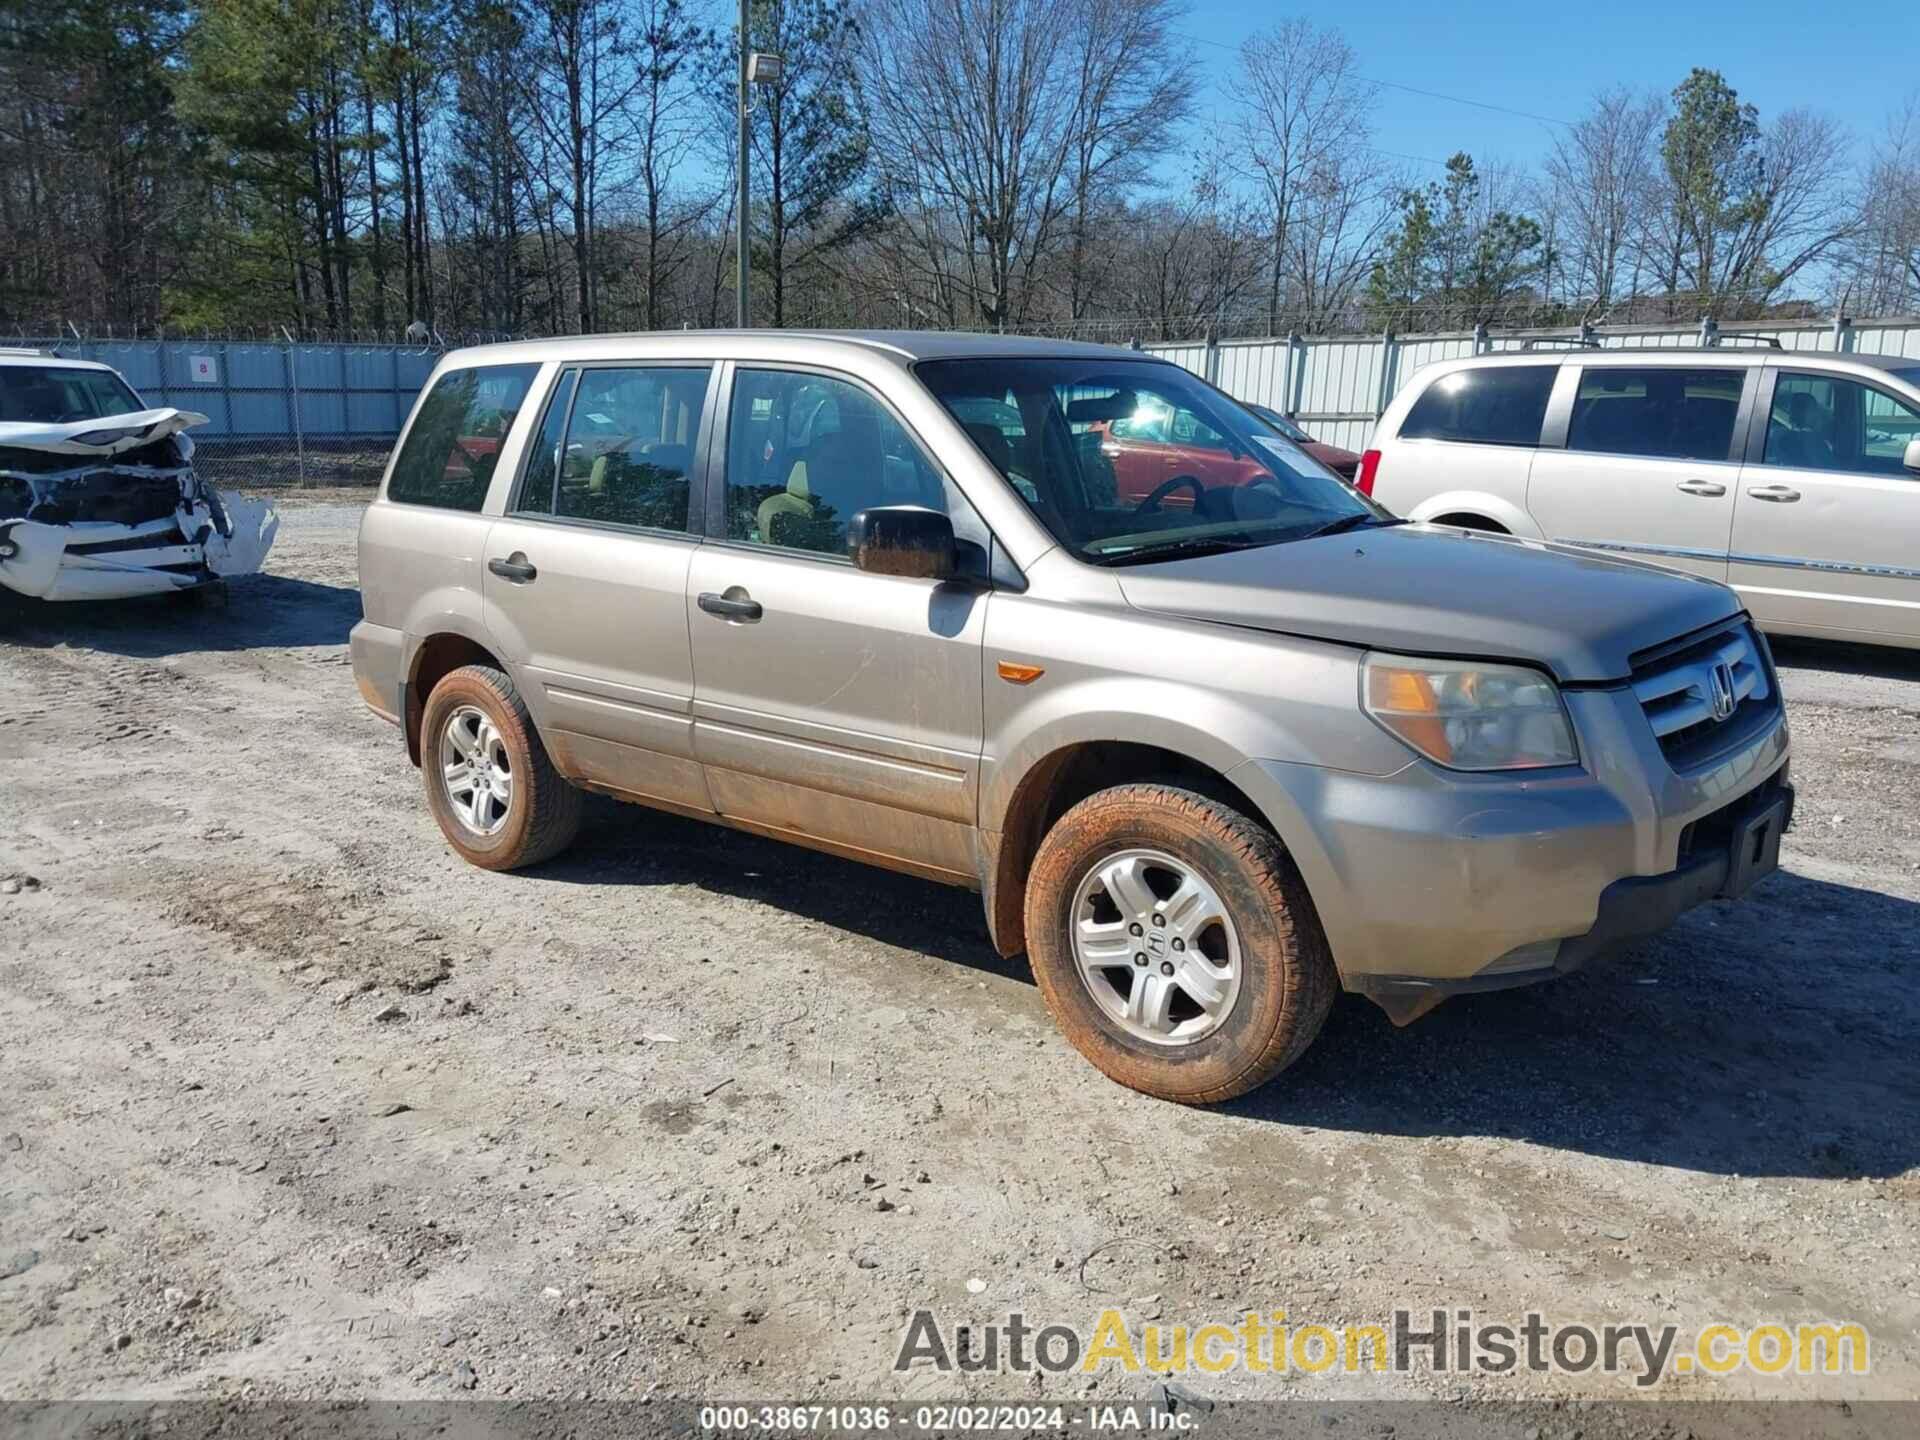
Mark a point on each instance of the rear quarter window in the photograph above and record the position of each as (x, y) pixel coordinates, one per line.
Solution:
(448, 458)
(1496, 405)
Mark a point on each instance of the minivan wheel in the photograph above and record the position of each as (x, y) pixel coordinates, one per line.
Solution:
(1472, 522)
(490, 784)
(1175, 943)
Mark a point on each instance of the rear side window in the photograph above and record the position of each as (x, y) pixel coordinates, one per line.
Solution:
(1661, 412)
(1495, 405)
(629, 447)
(448, 458)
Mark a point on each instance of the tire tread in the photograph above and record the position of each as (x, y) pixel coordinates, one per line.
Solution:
(1306, 962)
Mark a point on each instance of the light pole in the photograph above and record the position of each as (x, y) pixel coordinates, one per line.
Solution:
(755, 69)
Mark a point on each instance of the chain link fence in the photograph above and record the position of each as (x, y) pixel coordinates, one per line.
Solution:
(299, 413)
(308, 412)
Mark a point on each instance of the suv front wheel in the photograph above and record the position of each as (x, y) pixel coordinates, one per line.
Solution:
(1175, 943)
(490, 784)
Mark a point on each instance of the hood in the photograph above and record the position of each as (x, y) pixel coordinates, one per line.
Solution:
(1343, 463)
(107, 436)
(1431, 591)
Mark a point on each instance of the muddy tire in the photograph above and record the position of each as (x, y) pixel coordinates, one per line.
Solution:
(1231, 978)
(489, 781)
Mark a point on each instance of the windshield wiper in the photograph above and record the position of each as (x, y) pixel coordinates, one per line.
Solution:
(1197, 545)
(1350, 522)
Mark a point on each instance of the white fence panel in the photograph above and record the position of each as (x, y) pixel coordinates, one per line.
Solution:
(1188, 357)
(1257, 371)
(1903, 339)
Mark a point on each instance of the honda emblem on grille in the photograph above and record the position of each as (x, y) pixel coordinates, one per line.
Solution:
(1721, 691)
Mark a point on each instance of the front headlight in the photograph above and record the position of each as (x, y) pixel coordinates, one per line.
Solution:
(1469, 715)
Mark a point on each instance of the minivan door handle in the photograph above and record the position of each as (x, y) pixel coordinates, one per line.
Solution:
(515, 567)
(1701, 487)
(1779, 494)
(730, 608)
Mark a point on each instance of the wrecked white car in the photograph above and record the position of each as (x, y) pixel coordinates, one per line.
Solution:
(98, 495)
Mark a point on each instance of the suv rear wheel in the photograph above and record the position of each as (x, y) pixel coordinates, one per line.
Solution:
(498, 799)
(1175, 943)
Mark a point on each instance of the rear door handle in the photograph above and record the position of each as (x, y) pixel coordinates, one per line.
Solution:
(730, 608)
(1701, 487)
(1779, 494)
(515, 567)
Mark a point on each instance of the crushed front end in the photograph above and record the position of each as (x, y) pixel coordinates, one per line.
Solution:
(112, 508)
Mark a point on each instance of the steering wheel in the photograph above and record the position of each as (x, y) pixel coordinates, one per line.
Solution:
(1166, 488)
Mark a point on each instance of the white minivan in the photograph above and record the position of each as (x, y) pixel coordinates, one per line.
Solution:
(1793, 477)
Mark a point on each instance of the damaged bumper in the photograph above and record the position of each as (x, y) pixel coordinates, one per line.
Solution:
(109, 509)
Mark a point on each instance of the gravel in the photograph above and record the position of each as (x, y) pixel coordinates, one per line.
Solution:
(616, 1148)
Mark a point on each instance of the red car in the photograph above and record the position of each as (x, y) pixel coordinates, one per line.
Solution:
(1157, 449)
(1343, 463)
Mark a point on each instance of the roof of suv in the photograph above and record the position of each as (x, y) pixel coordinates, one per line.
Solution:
(43, 358)
(1719, 354)
(902, 346)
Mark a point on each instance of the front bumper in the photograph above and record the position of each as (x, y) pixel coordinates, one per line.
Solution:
(197, 545)
(1742, 846)
(1430, 882)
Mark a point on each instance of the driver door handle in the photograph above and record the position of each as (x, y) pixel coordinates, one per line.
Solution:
(1778, 494)
(515, 567)
(1701, 487)
(729, 608)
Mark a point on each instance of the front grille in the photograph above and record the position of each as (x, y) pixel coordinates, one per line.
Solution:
(1677, 685)
(118, 496)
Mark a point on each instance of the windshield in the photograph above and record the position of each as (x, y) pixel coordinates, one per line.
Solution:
(1281, 423)
(54, 395)
(1125, 461)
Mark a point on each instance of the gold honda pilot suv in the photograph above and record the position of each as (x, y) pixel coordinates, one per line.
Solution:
(1211, 743)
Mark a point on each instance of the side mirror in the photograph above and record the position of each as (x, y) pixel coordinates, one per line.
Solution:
(1912, 458)
(907, 540)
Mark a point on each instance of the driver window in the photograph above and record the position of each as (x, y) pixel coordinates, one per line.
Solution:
(629, 447)
(806, 453)
(1822, 422)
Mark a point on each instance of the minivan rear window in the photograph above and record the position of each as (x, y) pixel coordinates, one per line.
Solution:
(1493, 405)
(449, 455)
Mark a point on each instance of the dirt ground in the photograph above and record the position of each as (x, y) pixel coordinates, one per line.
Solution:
(294, 1104)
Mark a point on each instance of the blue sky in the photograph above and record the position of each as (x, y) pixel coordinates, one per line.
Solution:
(1855, 60)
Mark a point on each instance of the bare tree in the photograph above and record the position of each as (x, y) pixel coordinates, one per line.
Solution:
(1601, 177)
(979, 133)
(1303, 128)
(1011, 127)
(664, 119)
(1803, 208)
(1881, 274)
(1194, 259)
(1134, 86)
(582, 80)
